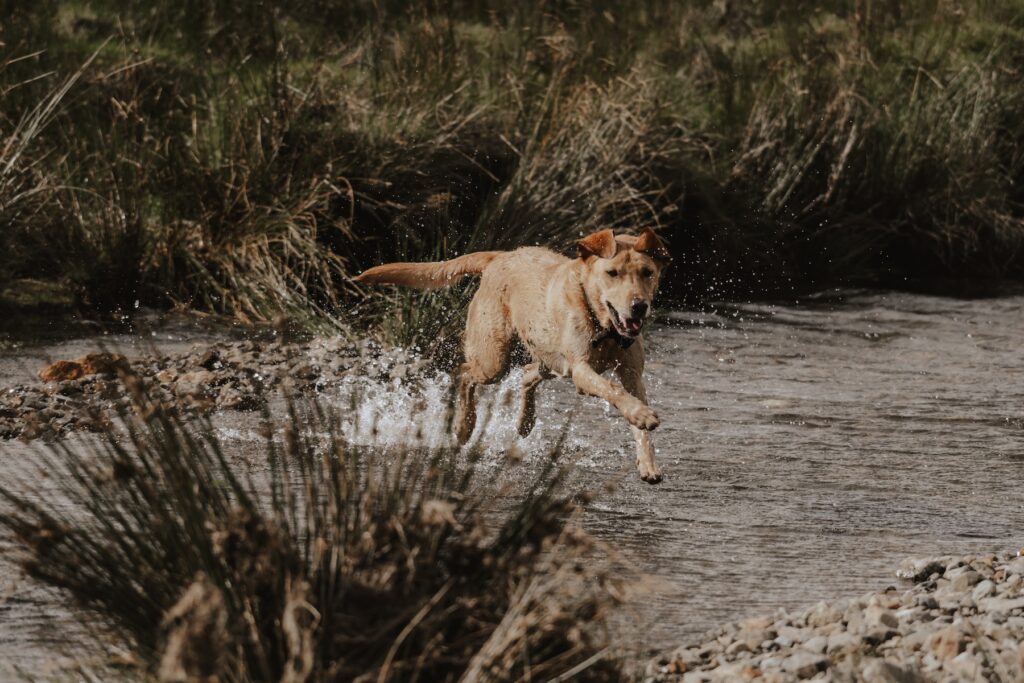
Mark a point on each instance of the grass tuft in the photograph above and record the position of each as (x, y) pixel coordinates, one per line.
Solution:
(315, 559)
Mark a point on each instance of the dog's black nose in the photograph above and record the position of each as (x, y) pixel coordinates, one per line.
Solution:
(639, 309)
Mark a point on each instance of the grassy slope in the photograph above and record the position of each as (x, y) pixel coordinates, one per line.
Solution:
(244, 158)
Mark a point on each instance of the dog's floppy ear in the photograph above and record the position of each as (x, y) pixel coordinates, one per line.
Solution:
(600, 244)
(649, 243)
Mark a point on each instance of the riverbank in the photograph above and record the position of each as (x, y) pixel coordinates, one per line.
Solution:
(87, 392)
(248, 159)
(948, 619)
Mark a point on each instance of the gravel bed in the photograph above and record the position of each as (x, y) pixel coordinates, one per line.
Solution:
(950, 619)
(85, 393)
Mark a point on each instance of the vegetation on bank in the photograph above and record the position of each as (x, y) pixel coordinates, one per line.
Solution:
(310, 558)
(245, 158)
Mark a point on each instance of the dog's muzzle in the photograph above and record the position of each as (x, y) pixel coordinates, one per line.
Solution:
(632, 324)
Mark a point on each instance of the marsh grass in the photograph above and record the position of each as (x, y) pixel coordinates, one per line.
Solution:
(247, 158)
(884, 163)
(314, 559)
(25, 188)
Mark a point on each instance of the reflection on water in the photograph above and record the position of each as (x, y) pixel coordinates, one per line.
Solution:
(807, 449)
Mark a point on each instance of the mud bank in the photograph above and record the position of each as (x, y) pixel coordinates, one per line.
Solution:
(949, 619)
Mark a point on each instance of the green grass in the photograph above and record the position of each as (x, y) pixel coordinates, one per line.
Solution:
(247, 159)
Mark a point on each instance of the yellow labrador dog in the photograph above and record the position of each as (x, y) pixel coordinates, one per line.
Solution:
(576, 318)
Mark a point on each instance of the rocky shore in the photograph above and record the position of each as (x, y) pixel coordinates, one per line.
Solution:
(85, 393)
(949, 619)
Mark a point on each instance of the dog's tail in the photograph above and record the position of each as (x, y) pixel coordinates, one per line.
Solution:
(429, 275)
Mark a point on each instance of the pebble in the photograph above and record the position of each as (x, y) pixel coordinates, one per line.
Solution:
(804, 664)
(842, 642)
(983, 590)
(959, 619)
(881, 671)
(876, 616)
(823, 613)
(964, 580)
(817, 644)
(948, 642)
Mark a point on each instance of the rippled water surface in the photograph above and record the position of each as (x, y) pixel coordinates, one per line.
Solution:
(807, 449)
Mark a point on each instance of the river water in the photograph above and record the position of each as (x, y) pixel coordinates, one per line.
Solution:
(808, 447)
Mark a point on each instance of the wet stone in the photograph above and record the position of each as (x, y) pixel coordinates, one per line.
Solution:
(210, 360)
(918, 569)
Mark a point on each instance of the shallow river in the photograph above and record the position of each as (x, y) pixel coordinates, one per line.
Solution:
(807, 448)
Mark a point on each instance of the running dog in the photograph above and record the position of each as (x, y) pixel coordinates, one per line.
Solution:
(576, 317)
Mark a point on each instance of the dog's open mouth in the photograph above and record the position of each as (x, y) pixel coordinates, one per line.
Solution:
(629, 327)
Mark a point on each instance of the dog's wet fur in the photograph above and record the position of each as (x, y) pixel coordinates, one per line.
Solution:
(573, 317)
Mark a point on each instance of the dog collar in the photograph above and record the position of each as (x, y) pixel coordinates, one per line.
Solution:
(605, 333)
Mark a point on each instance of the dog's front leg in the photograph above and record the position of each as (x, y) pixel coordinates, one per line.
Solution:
(588, 382)
(633, 382)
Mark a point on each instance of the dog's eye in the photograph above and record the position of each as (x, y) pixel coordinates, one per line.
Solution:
(613, 273)
(646, 272)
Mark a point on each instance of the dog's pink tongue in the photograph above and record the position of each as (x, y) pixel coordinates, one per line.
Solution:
(634, 324)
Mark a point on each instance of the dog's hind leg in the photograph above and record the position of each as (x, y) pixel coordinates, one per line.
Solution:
(488, 339)
(633, 382)
(533, 374)
(465, 415)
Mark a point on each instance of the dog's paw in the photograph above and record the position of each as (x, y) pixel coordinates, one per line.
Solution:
(643, 417)
(651, 477)
(649, 472)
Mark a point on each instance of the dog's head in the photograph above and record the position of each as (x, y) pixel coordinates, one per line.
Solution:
(620, 277)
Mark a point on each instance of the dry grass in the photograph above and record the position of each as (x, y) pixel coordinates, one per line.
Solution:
(589, 162)
(884, 165)
(317, 559)
(25, 187)
(246, 159)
